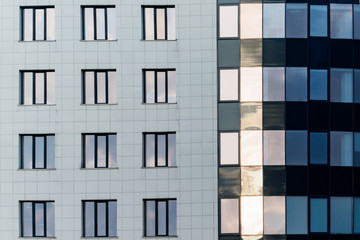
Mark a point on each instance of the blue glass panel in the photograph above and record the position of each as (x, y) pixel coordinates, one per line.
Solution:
(318, 148)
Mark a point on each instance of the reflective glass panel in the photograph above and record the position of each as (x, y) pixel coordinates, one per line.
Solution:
(100, 23)
(296, 84)
(274, 84)
(171, 87)
(149, 24)
(161, 218)
(341, 85)
(251, 20)
(318, 215)
(318, 84)
(318, 20)
(357, 149)
(356, 215)
(50, 88)
(39, 219)
(39, 88)
(296, 215)
(101, 151)
(171, 149)
(296, 20)
(341, 148)
(251, 181)
(50, 151)
(274, 215)
(251, 148)
(230, 215)
(150, 150)
(229, 85)
(357, 85)
(318, 148)
(89, 219)
(356, 21)
(27, 154)
(160, 23)
(251, 116)
(50, 219)
(150, 218)
(39, 24)
(150, 86)
(101, 87)
(101, 218)
(89, 151)
(28, 88)
(228, 20)
(172, 217)
(111, 23)
(112, 218)
(296, 148)
(274, 20)
(251, 215)
(161, 150)
(112, 87)
(171, 28)
(50, 24)
(274, 147)
(39, 152)
(89, 88)
(161, 86)
(229, 148)
(251, 84)
(341, 22)
(112, 150)
(28, 24)
(341, 215)
(89, 23)
(27, 216)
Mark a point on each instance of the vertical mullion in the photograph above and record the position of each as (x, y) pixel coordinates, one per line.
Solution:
(33, 219)
(84, 218)
(34, 24)
(166, 85)
(33, 152)
(156, 218)
(95, 30)
(106, 23)
(45, 87)
(45, 152)
(166, 150)
(95, 87)
(22, 152)
(107, 86)
(95, 218)
(156, 149)
(165, 21)
(95, 150)
(155, 87)
(107, 151)
(45, 23)
(22, 87)
(83, 87)
(155, 24)
(45, 218)
(167, 217)
(107, 218)
(34, 87)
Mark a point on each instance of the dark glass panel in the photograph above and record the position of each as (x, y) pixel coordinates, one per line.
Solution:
(296, 115)
(273, 115)
(274, 52)
(296, 181)
(318, 180)
(274, 181)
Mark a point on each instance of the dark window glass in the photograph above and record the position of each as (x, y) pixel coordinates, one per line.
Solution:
(37, 151)
(160, 149)
(357, 149)
(99, 23)
(296, 84)
(356, 215)
(160, 217)
(357, 85)
(99, 150)
(37, 87)
(159, 23)
(318, 215)
(318, 84)
(100, 218)
(159, 86)
(318, 148)
(38, 23)
(318, 21)
(356, 21)
(99, 87)
(37, 219)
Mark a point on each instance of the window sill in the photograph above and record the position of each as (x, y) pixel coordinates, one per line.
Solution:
(100, 40)
(159, 167)
(99, 237)
(159, 103)
(113, 168)
(98, 104)
(36, 105)
(37, 169)
(160, 236)
(22, 41)
(160, 40)
(38, 237)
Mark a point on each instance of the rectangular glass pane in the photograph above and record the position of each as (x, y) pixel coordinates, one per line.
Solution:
(296, 215)
(356, 21)
(161, 218)
(318, 20)
(341, 85)
(341, 22)
(296, 84)
(250, 20)
(251, 181)
(171, 86)
(229, 215)
(101, 87)
(172, 217)
(101, 219)
(356, 215)
(112, 150)
(357, 85)
(39, 24)
(149, 24)
(39, 152)
(50, 24)
(39, 88)
(161, 150)
(251, 116)
(296, 20)
(171, 28)
(150, 218)
(274, 147)
(318, 84)
(229, 21)
(89, 151)
(251, 84)
(89, 219)
(274, 20)
(296, 148)
(111, 23)
(89, 23)
(161, 87)
(341, 215)
(274, 215)
(171, 149)
(112, 205)
(318, 148)
(50, 151)
(28, 88)
(27, 154)
(251, 148)
(89, 88)
(112, 87)
(341, 148)
(50, 219)
(27, 219)
(101, 151)
(50, 88)
(229, 148)
(229, 85)
(28, 24)
(251, 215)
(160, 23)
(357, 149)
(150, 150)
(318, 215)
(274, 84)
(100, 23)
(39, 219)
(150, 86)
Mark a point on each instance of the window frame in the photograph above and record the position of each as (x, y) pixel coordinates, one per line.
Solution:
(34, 218)
(155, 7)
(34, 136)
(83, 87)
(220, 215)
(156, 71)
(96, 135)
(22, 22)
(157, 200)
(238, 20)
(156, 149)
(83, 216)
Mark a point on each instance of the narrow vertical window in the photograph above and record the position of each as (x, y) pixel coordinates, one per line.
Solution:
(274, 20)
(318, 215)
(229, 21)
(274, 84)
(159, 23)
(38, 23)
(251, 20)
(341, 148)
(98, 23)
(229, 215)
(37, 151)
(341, 21)
(229, 148)
(159, 149)
(296, 20)
(229, 84)
(296, 215)
(99, 150)
(296, 84)
(274, 215)
(159, 86)
(37, 87)
(341, 215)
(341, 85)
(318, 21)
(318, 84)
(99, 87)
(318, 148)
